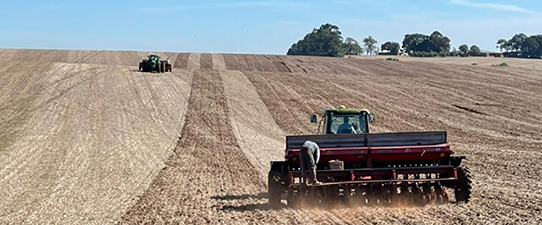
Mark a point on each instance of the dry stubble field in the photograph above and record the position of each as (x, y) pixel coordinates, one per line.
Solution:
(85, 138)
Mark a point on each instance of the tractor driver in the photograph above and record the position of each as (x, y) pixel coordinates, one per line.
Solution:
(346, 128)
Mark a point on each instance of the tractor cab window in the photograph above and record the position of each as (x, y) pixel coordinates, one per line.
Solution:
(347, 124)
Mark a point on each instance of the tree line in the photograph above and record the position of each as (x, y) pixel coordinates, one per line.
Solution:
(328, 41)
(521, 45)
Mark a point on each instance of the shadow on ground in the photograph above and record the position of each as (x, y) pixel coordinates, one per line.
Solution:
(241, 197)
(232, 199)
(248, 207)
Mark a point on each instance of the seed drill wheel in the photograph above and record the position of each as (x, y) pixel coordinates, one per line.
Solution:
(295, 198)
(360, 196)
(273, 188)
(347, 196)
(462, 193)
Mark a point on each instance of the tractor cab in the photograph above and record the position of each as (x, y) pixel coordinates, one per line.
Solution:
(154, 58)
(344, 121)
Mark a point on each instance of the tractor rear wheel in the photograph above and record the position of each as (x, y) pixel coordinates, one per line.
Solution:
(462, 193)
(274, 188)
(162, 68)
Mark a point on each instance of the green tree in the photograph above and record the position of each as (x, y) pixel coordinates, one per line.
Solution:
(475, 50)
(415, 43)
(521, 45)
(393, 47)
(529, 47)
(502, 44)
(370, 45)
(436, 42)
(439, 43)
(351, 47)
(324, 41)
(464, 49)
(538, 52)
(517, 41)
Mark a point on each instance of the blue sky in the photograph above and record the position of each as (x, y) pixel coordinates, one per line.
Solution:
(253, 26)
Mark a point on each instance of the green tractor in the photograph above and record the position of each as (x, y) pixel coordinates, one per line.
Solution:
(153, 63)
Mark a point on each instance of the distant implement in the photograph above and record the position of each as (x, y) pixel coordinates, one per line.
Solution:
(154, 64)
(361, 168)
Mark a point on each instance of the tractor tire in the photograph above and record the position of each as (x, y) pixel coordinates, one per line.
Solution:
(462, 193)
(140, 67)
(274, 188)
(145, 68)
(162, 69)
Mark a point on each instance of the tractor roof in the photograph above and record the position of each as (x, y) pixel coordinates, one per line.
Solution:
(344, 110)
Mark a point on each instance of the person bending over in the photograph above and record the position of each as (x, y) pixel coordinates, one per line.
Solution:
(309, 155)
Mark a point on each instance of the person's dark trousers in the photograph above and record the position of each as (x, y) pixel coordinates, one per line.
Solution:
(306, 159)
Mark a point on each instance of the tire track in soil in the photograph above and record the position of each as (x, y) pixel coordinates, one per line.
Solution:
(112, 58)
(208, 179)
(182, 61)
(206, 61)
(86, 141)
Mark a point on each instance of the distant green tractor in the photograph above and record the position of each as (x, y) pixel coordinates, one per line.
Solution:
(153, 63)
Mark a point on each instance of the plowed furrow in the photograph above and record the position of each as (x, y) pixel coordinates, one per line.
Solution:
(208, 179)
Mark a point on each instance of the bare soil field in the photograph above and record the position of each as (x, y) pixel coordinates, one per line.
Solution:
(112, 58)
(79, 141)
(93, 141)
(535, 64)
